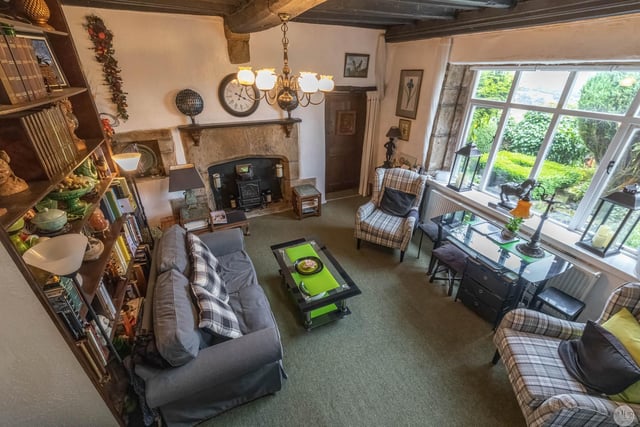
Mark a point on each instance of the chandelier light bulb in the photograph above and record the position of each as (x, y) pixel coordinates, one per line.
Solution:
(326, 83)
(308, 82)
(266, 78)
(246, 76)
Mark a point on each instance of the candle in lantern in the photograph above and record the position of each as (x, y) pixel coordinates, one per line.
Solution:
(602, 237)
(279, 170)
(217, 182)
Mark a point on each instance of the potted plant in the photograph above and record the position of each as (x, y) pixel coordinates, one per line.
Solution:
(511, 227)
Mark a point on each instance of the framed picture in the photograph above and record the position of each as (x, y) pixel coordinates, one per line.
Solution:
(356, 65)
(346, 122)
(405, 129)
(405, 161)
(45, 55)
(409, 93)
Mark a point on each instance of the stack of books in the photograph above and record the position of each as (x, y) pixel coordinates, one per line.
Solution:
(66, 302)
(20, 75)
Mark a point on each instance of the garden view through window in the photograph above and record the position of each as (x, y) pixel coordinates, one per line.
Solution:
(576, 131)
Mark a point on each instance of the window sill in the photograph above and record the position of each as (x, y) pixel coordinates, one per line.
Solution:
(562, 242)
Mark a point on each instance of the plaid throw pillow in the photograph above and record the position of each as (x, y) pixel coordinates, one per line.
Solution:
(204, 268)
(216, 316)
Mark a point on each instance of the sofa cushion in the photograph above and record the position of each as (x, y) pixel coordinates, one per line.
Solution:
(216, 316)
(383, 228)
(599, 360)
(396, 202)
(237, 271)
(535, 370)
(252, 309)
(175, 319)
(204, 268)
(626, 328)
(172, 251)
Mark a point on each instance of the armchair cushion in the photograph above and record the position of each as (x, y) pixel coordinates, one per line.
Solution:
(599, 360)
(627, 329)
(396, 202)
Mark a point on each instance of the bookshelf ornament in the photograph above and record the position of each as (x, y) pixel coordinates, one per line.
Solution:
(37, 11)
(9, 182)
(102, 40)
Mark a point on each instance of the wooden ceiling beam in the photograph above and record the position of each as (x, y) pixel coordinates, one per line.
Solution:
(258, 15)
(383, 8)
(524, 14)
(192, 7)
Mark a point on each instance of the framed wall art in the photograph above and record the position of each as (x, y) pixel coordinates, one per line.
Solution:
(45, 55)
(356, 65)
(405, 129)
(409, 93)
(346, 122)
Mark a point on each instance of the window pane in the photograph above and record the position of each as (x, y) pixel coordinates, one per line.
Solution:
(482, 131)
(493, 85)
(523, 136)
(541, 88)
(568, 168)
(604, 91)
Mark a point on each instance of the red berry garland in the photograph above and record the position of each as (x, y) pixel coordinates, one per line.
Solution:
(102, 40)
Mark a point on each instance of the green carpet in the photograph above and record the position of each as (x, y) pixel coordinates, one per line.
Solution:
(406, 356)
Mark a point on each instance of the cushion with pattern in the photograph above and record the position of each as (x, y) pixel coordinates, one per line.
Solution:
(204, 268)
(396, 202)
(216, 316)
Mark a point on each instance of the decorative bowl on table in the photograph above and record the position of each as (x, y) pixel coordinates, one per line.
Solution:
(50, 220)
(308, 265)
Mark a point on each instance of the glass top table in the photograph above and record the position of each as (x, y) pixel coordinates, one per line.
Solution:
(481, 240)
(320, 292)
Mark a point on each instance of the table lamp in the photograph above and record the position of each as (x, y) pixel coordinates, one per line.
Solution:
(186, 178)
(62, 255)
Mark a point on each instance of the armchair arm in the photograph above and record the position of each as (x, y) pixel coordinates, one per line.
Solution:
(365, 210)
(535, 322)
(214, 365)
(627, 295)
(224, 242)
(408, 226)
(578, 410)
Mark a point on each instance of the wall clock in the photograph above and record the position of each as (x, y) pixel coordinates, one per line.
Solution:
(234, 98)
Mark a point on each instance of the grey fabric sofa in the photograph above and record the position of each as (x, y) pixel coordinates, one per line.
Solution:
(208, 375)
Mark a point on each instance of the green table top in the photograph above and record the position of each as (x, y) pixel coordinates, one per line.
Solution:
(314, 283)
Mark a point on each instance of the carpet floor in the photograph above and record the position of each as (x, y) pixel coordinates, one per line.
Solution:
(407, 355)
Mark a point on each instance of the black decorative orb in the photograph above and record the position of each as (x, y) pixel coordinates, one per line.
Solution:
(189, 103)
(287, 99)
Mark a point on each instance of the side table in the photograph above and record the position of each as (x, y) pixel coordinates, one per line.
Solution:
(195, 218)
(306, 201)
(235, 219)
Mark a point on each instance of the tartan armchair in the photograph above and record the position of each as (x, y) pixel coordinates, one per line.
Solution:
(376, 226)
(527, 341)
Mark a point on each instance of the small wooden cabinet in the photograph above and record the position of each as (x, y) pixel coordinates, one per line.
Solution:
(488, 292)
(306, 201)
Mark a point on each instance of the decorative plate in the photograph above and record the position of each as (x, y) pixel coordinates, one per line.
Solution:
(148, 161)
(308, 265)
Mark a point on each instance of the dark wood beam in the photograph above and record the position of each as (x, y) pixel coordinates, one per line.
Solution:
(350, 21)
(192, 7)
(524, 14)
(258, 15)
(383, 8)
(472, 4)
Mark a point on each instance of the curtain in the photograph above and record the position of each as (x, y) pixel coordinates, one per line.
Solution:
(366, 167)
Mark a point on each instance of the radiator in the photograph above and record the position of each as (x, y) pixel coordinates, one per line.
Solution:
(576, 282)
(439, 204)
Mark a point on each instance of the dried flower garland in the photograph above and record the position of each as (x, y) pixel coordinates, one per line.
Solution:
(102, 40)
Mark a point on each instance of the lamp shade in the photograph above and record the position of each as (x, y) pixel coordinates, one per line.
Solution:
(61, 255)
(394, 132)
(128, 162)
(184, 177)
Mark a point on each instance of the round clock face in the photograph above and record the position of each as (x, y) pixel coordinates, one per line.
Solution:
(234, 98)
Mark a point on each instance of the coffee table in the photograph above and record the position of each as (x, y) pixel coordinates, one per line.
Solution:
(321, 296)
(235, 219)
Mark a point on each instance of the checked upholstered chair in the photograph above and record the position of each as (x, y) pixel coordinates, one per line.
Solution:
(389, 220)
(527, 341)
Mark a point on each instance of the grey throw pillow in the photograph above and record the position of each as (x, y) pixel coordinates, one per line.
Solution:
(396, 202)
(599, 361)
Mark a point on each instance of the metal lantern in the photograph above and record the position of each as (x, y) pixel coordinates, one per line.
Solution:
(614, 219)
(465, 167)
(189, 103)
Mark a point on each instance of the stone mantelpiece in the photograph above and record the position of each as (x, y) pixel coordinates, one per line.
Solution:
(220, 145)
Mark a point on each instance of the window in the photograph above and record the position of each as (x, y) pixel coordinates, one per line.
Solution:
(575, 130)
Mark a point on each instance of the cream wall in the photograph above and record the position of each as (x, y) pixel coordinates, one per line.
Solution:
(41, 382)
(160, 54)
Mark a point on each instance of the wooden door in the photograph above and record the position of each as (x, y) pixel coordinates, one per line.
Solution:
(345, 116)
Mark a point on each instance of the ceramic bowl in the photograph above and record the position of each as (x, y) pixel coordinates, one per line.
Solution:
(50, 220)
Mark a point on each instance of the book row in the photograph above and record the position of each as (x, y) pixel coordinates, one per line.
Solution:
(21, 77)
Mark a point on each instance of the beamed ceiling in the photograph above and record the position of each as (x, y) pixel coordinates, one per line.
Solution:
(403, 20)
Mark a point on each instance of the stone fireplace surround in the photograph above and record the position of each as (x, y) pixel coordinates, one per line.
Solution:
(227, 144)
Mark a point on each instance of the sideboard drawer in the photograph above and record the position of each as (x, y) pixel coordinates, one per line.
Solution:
(481, 293)
(492, 280)
(490, 314)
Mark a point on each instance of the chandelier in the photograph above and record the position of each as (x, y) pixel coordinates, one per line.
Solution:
(288, 91)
